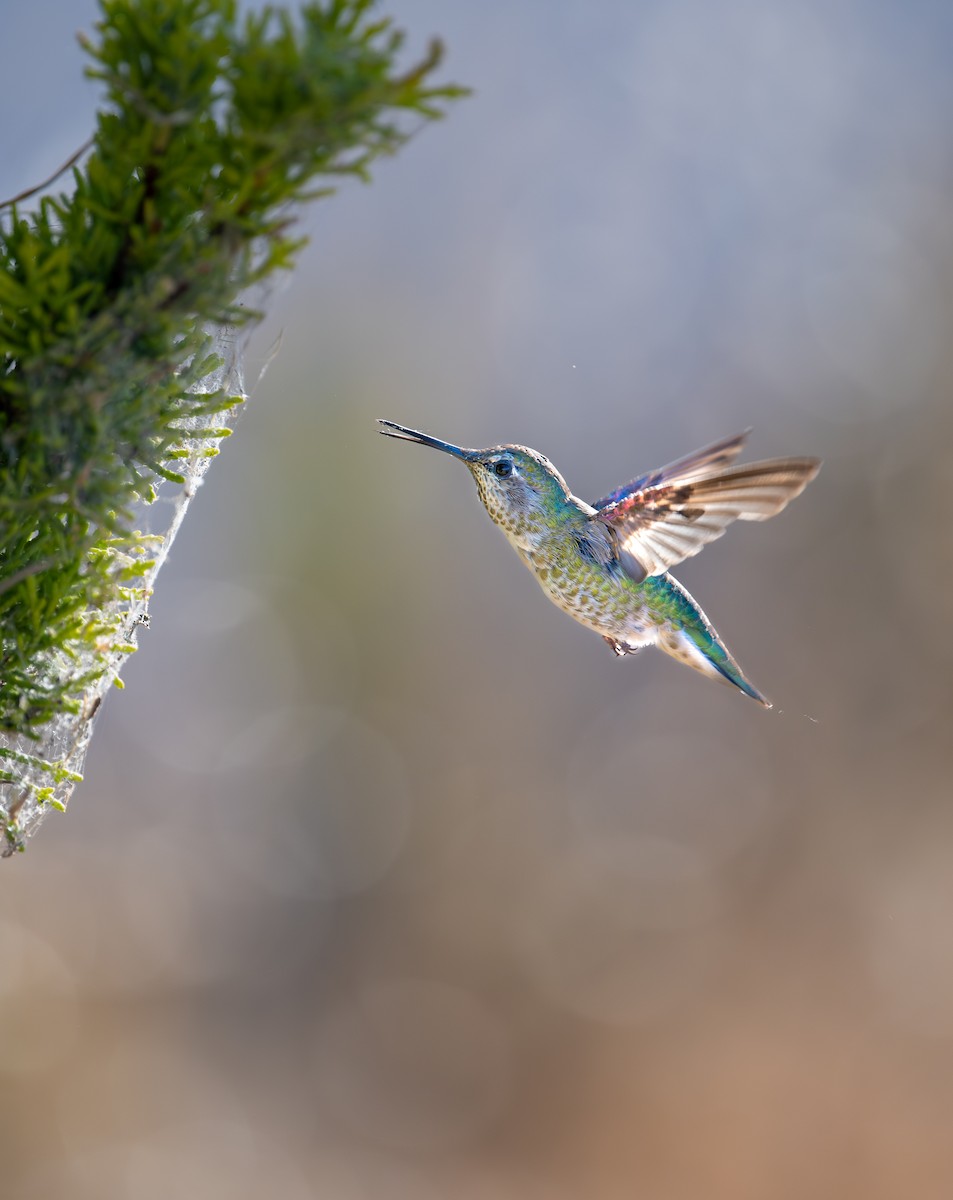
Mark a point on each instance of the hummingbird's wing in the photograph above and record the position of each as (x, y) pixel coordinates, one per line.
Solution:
(707, 461)
(670, 514)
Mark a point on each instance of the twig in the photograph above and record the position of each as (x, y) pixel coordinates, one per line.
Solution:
(73, 158)
(23, 573)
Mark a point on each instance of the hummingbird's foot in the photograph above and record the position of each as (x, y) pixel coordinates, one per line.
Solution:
(619, 647)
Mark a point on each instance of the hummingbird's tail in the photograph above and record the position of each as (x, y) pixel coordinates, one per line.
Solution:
(690, 637)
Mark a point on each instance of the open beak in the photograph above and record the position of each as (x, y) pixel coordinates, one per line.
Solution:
(424, 439)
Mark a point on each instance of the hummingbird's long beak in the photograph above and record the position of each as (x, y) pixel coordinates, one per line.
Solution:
(389, 429)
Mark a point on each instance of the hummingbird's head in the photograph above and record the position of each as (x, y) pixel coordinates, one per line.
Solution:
(521, 489)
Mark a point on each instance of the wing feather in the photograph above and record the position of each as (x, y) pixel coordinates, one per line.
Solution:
(707, 461)
(669, 515)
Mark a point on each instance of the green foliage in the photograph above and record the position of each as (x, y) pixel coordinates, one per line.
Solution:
(213, 126)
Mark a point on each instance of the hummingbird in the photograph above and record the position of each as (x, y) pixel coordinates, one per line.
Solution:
(606, 564)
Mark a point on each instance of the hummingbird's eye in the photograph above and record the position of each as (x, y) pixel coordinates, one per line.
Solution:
(503, 468)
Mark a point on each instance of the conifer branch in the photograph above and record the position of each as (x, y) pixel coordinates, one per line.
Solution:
(116, 299)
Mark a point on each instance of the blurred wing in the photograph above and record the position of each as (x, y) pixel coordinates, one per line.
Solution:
(708, 461)
(664, 522)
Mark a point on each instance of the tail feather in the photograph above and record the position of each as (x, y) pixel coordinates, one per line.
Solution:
(692, 639)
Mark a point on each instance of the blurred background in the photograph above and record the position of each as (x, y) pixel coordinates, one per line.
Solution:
(386, 881)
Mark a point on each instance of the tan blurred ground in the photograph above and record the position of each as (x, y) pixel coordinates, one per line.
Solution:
(387, 882)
